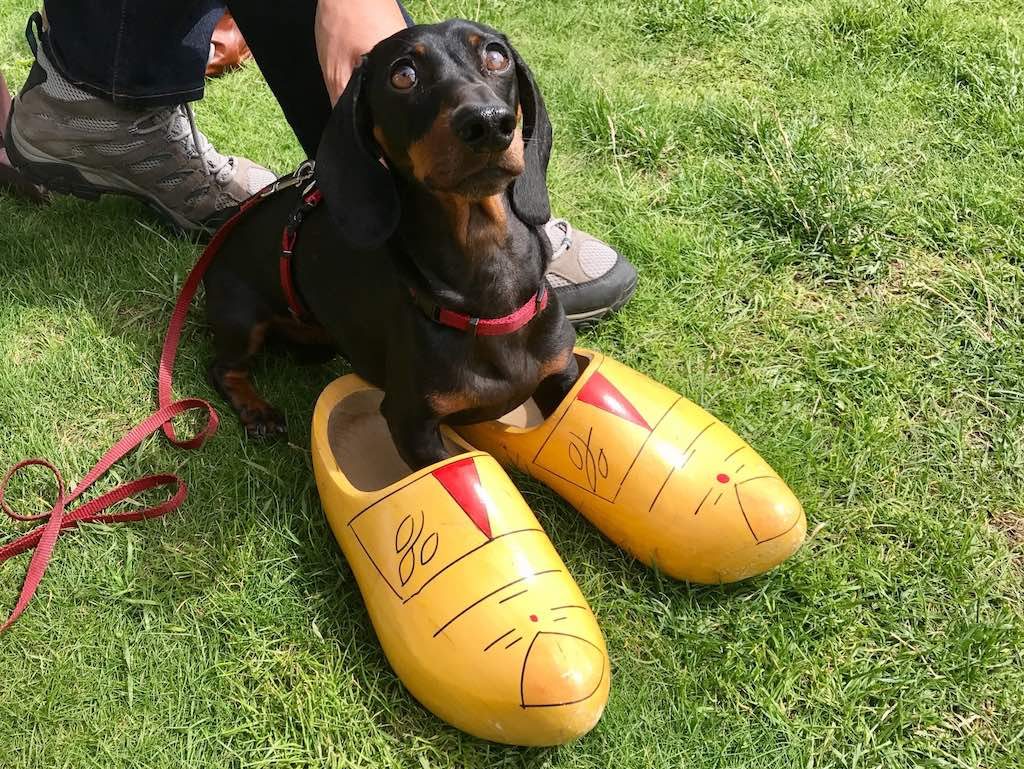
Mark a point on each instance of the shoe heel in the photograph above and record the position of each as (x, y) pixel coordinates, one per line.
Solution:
(54, 177)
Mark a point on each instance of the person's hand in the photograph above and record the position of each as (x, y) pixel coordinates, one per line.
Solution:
(347, 29)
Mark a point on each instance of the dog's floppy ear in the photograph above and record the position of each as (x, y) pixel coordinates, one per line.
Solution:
(358, 188)
(530, 189)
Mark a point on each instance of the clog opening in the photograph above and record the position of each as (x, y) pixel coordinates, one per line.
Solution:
(530, 414)
(362, 445)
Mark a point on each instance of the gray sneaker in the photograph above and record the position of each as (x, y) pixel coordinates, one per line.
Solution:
(70, 141)
(591, 278)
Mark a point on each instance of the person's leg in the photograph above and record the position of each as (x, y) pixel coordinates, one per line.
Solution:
(280, 36)
(282, 42)
(143, 54)
(114, 122)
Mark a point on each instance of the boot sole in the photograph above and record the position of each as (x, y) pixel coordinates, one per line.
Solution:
(582, 320)
(64, 177)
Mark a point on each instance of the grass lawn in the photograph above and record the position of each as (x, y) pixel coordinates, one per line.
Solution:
(823, 199)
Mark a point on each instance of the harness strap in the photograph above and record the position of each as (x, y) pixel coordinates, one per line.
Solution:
(59, 518)
(310, 199)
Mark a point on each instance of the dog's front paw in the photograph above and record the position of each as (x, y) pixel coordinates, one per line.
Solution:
(264, 422)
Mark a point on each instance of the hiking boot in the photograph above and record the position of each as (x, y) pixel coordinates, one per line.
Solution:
(70, 141)
(591, 278)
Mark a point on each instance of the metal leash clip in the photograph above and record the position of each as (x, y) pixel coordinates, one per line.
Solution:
(298, 176)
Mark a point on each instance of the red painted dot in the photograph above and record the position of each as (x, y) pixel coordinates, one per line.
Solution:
(723, 478)
(533, 618)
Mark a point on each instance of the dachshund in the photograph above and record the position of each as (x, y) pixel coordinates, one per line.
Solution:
(425, 266)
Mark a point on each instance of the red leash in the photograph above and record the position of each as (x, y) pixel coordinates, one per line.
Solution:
(43, 538)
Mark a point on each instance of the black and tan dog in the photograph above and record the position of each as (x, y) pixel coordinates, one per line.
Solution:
(453, 220)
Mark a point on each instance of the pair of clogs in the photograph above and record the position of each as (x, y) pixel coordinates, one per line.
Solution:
(475, 610)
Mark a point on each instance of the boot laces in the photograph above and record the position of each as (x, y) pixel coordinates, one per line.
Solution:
(559, 228)
(179, 125)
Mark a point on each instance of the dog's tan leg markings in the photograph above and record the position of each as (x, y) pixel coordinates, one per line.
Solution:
(555, 364)
(251, 407)
(446, 404)
(301, 333)
(257, 337)
(257, 416)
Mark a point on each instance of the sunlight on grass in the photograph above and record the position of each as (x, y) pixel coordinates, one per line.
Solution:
(823, 199)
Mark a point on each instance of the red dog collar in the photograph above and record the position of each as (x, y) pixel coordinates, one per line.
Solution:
(506, 324)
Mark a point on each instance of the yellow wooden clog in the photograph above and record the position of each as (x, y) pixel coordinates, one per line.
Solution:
(656, 473)
(472, 605)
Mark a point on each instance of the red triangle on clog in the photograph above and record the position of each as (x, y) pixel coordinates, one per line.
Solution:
(599, 392)
(462, 481)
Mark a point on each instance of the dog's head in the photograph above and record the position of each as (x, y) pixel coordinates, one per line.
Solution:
(451, 107)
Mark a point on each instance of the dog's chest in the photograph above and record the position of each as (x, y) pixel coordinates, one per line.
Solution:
(485, 389)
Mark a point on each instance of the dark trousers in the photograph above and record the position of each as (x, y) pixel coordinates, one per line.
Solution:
(154, 52)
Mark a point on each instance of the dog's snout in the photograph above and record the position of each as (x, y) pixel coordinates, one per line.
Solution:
(485, 128)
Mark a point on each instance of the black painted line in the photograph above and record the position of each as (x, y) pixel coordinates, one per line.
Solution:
(490, 594)
(732, 454)
(702, 502)
(466, 555)
(514, 595)
(503, 635)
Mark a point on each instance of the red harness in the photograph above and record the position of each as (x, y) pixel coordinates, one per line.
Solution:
(506, 324)
(43, 538)
(310, 199)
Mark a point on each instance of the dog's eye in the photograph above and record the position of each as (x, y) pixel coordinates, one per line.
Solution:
(495, 58)
(403, 76)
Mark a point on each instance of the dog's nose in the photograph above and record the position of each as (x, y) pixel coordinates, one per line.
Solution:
(485, 128)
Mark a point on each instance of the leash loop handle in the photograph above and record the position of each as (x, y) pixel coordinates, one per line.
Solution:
(58, 518)
(43, 538)
(8, 510)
